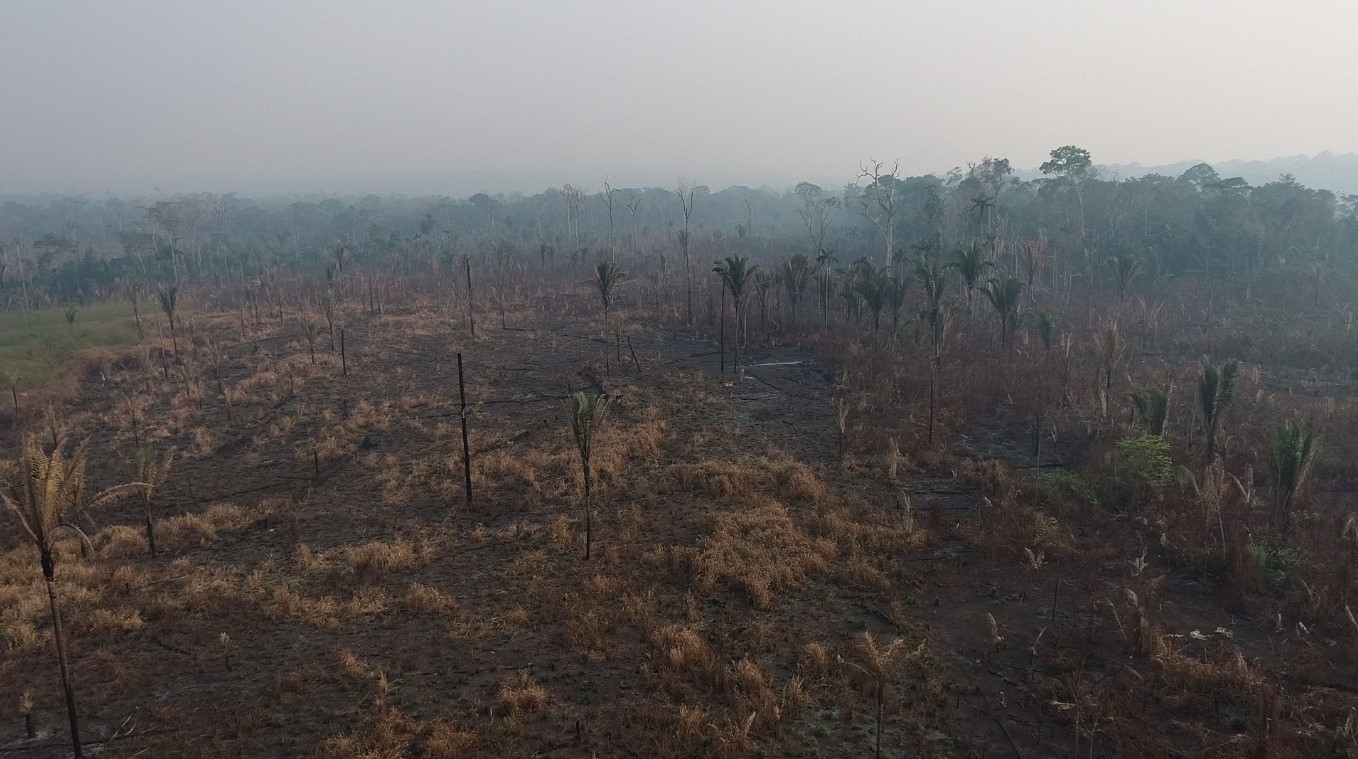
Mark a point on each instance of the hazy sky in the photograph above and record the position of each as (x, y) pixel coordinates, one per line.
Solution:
(453, 97)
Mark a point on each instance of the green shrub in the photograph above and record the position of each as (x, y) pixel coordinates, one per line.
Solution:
(1276, 562)
(1071, 486)
(1143, 460)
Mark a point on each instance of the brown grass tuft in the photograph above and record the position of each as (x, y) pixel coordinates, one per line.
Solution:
(522, 694)
(447, 742)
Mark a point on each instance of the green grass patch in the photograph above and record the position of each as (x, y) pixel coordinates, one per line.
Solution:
(37, 345)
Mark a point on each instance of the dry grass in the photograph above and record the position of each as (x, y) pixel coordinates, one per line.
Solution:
(190, 530)
(760, 550)
(520, 695)
(384, 734)
(375, 559)
(447, 742)
(790, 480)
(423, 599)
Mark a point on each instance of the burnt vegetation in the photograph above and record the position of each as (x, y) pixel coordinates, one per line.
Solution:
(933, 466)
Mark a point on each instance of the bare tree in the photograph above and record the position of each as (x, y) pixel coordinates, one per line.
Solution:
(879, 200)
(817, 212)
(685, 193)
(607, 194)
(575, 200)
(632, 204)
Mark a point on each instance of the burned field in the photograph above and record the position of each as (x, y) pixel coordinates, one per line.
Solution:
(872, 537)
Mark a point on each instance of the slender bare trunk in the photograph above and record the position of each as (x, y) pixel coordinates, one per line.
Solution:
(49, 574)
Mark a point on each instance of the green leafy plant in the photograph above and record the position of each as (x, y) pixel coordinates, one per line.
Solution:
(1144, 459)
(1152, 408)
(1072, 486)
(1216, 388)
(1275, 561)
(1294, 452)
(607, 275)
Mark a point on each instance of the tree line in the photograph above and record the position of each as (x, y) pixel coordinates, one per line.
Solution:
(1070, 224)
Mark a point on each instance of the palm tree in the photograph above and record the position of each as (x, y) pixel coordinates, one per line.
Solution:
(737, 274)
(848, 292)
(1152, 408)
(1111, 347)
(981, 204)
(761, 285)
(897, 287)
(871, 287)
(1048, 325)
(933, 277)
(44, 493)
(796, 275)
(1125, 265)
(1005, 295)
(880, 662)
(970, 262)
(587, 413)
(1294, 451)
(1216, 387)
(152, 472)
(168, 296)
(607, 275)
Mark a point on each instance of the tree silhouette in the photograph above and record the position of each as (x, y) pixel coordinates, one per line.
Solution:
(607, 275)
(685, 192)
(896, 287)
(1005, 294)
(796, 276)
(737, 273)
(971, 263)
(933, 277)
(825, 282)
(871, 287)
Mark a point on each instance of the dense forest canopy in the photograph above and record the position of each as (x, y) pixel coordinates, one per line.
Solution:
(73, 249)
